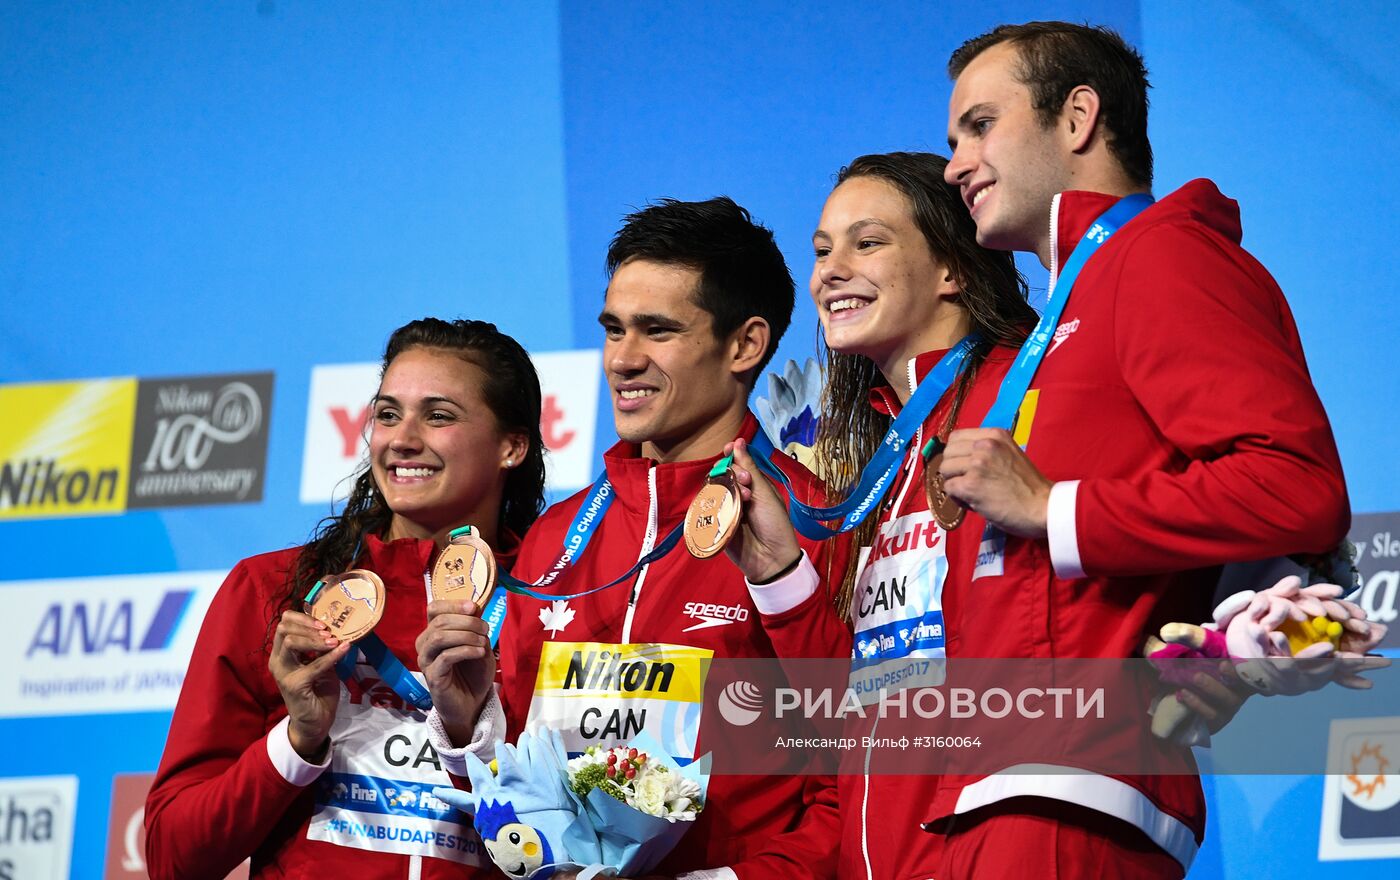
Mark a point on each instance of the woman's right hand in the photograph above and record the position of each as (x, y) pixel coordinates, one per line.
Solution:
(310, 688)
(766, 543)
(454, 652)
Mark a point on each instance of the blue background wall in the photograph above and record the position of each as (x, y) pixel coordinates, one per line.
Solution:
(195, 188)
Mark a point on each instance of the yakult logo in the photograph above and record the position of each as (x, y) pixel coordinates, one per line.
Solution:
(917, 534)
(338, 413)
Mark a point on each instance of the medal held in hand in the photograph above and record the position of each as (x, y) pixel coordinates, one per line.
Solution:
(946, 511)
(714, 515)
(465, 569)
(350, 603)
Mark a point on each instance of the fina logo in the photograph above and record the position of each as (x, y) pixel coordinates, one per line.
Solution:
(740, 702)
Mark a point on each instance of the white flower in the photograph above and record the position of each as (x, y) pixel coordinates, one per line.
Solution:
(649, 792)
(683, 799)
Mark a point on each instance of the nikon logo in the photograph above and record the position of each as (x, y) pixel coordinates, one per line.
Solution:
(46, 483)
(109, 445)
(607, 671)
(65, 447)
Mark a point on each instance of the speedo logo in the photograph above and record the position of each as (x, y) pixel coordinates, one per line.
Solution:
(1062, 333)
(713, 615)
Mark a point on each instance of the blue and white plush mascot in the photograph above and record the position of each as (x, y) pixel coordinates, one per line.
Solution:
(529, 819)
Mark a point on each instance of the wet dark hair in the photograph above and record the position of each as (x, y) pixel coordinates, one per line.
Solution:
(512, 393)
(993, 293)
(1056, 57)
(742, 272)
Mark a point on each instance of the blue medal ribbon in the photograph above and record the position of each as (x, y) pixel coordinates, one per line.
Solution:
(1018, 380)
(390, 668)
(1033, 350)
(392, 672)
(576, 540)
(876, 477)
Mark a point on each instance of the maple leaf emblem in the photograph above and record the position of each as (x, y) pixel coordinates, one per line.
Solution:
(557, 616)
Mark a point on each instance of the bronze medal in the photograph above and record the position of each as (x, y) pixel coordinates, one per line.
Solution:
(713, 516)
(947, 512)
(465, 569)
(350, 603)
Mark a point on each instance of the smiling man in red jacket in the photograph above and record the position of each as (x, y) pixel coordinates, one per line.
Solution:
(698, 297)
(1174, 428)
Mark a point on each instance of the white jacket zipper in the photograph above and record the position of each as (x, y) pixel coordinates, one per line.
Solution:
(415, 863)
(914, 386)
(648, 543)
(1054, 243)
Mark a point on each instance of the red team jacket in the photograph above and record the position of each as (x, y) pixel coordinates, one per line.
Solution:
(1175, 411)
(760, 827)
(218, 798)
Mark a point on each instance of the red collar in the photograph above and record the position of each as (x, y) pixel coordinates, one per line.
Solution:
(676, 482)
(418, 553)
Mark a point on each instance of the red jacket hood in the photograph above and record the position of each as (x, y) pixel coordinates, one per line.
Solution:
(410, 553)
(1200, 201)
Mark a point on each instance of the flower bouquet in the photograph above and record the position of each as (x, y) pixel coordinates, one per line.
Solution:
(606, 812)
(638, 802)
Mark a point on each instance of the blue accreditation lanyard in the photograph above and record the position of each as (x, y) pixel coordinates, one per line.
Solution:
(576, 539)
(1033, 350)
(878, 473)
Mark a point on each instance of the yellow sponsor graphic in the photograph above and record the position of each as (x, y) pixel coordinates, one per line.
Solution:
(597, 669)
(1025, 417)
(65, 447)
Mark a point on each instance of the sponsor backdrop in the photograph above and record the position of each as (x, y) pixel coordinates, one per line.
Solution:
(214, 215)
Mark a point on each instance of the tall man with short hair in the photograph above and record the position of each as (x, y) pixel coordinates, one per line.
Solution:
(698, 298)
(1174, 428)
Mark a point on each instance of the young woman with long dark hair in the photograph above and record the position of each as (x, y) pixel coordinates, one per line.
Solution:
(270, 755)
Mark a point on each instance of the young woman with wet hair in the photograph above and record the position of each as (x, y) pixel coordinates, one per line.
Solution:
(270, 755)
(898, 281)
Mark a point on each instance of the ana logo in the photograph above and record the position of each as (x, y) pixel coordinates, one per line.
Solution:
(740, 703)
(1062, 333)
(94, 627)
(713, 615)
